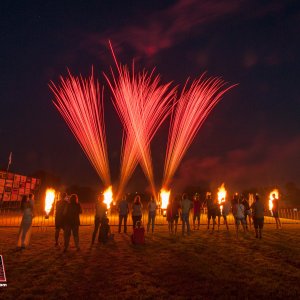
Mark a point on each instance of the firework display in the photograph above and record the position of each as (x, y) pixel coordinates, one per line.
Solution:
(142, 103)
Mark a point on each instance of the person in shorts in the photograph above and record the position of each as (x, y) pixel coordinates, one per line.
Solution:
(258, 210)
(245, 202)
(211, 211)
(238, 211)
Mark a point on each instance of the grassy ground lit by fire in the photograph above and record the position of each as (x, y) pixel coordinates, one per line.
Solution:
(204, 265)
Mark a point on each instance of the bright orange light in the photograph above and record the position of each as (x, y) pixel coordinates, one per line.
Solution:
(164, 196)
(108, 196)
(275, 191)
(221, 195)
(49, 199)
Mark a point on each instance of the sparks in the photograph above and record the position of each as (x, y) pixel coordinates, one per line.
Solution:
(80, 102)
(193, 107)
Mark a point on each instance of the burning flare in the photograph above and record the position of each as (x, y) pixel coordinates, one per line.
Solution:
(49, 199)
(221, 195)
(275, 191)
(164, 196)
(108, 196)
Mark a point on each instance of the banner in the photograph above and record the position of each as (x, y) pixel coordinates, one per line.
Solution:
(14, 186)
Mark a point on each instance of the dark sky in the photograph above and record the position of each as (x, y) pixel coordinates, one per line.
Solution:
(252, 138)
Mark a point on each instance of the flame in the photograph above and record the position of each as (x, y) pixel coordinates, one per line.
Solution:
(275, 191)
(49, 199)
(108, 196)
(164, 196)
(221, 195)
(251, 199)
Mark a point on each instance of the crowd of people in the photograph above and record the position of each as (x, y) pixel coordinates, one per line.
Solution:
(68, 209)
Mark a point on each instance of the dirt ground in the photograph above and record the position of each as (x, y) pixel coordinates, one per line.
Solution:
(204, 265)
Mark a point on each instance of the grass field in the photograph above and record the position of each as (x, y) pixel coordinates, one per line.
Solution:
(204, 265)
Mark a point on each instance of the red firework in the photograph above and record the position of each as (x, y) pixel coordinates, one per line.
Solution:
(80, 102)
(142, 104)
(193, 107)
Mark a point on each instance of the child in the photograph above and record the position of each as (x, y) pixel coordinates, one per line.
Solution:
(105, 233)
(138, 236)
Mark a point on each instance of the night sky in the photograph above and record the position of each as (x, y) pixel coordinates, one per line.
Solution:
(252, 137)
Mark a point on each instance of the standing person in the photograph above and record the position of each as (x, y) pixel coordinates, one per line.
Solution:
(123, 213)
(27, 207)
(211, 211)
(72, 222)
(151, 213)
(186, 205)
(173, 215)
(59, 215)
(170, 217)
(258, 216)
(100, 215)
(247, 210)
(218, 212)
(137, 210)
(238, 211)
(197, 210)
(275, 211)
(226, 208)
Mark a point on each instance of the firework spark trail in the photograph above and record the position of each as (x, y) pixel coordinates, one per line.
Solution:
(80, 102)
(193, 107)
(142, 104)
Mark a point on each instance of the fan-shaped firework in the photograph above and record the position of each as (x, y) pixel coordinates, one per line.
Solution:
(80, 102)
(193, 107)
(142, 104)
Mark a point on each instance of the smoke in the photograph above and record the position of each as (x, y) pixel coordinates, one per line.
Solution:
(259, 165)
